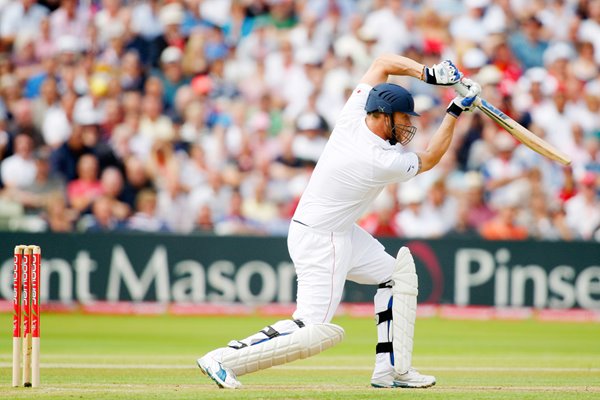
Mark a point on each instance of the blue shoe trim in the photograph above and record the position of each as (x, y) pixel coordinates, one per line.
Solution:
(221, 373)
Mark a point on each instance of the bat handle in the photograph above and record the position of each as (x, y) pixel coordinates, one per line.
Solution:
(461, 88)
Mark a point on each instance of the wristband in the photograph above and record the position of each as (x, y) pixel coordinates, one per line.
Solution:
(454, 110)
(428, 76)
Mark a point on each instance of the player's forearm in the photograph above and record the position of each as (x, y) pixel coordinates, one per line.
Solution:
(391, 64)
(439, 144)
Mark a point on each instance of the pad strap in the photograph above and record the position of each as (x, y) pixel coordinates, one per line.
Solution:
(270, 332)
(384, 347)
(236, 344)
(387, 284)
(383, 316)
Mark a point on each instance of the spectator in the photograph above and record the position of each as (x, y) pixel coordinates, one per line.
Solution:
(590, 28)
(45, 45)
(70, 19)
(234, 222)
(541, 221)
(111, 181)
(171, 76)
(145, 218)
(204, 220)
(504, 225)
(131, 74)
(58, 216)
(145, 21)
(47, 100)
(194, 124)
(102, 218)
(476, 208)
(463, 229)
(162, 164)
(154, 125)
(58, 121)
(470, 27)
(19, 170)
(82, 191)
(583, 210)
(89, 110)
(111, 16)
(441, 205)
(558, 128)
(22, 113)
(170, 17)
(284, 72)
(173, 205)
(25, 58)
(215, 193)
(413, 220)
(20, 15)
(194, 171)
(259, 207)
(136, 180)
(110, 56)
(310, 140)
(503, 173)
(389, 13)
(35, 195)
(529, 45)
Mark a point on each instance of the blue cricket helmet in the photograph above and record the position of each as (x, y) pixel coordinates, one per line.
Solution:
(388, 98)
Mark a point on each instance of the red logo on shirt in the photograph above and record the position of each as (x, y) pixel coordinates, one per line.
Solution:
(358, 91)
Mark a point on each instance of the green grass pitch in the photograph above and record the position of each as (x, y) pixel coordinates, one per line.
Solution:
(153, 357)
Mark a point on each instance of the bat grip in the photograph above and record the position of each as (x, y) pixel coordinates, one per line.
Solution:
(461, 88)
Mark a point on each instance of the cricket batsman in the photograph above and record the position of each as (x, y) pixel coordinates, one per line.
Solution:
(363, 155)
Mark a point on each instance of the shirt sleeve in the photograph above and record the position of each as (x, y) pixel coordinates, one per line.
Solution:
(392, 166)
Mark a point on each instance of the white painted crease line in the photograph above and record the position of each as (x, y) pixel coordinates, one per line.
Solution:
(109, 366)
(311, 367)
(449, 369)
(133, 358)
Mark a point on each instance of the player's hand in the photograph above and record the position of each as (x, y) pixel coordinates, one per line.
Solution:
(444, 73)
(467, 88)
(464, 103)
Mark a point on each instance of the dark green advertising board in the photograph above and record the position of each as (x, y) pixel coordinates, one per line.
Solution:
(257, 270)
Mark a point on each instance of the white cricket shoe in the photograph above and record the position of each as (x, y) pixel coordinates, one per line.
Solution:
(221, 375)
(410, 379)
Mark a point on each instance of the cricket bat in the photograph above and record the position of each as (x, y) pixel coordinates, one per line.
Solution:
(518, 131)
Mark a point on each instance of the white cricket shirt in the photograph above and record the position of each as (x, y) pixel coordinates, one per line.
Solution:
(353, 169)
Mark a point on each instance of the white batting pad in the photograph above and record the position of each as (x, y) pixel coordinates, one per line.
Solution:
(304, 342)
(404, 309)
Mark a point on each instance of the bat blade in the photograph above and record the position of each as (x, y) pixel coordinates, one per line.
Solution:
(523, 134)
(518, 131)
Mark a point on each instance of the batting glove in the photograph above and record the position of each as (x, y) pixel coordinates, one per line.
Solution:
(444, 74)
(464, 103)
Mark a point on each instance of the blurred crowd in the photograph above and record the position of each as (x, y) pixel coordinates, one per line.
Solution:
(208, 116)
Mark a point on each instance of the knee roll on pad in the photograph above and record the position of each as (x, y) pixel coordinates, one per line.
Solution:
(284, 348)
(405, 274)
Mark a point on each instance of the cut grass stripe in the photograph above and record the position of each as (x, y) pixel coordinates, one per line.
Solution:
(311, 367)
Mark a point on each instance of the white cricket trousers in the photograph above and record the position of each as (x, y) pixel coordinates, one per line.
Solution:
(325, 260)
